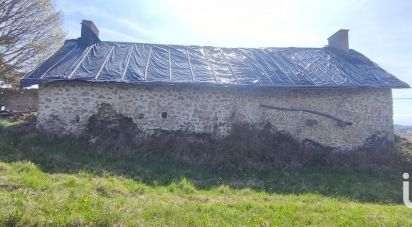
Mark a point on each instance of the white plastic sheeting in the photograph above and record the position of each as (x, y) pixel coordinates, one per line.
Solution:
(171, 64)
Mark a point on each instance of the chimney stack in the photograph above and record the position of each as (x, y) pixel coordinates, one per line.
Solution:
(90, 33)
(339, 40)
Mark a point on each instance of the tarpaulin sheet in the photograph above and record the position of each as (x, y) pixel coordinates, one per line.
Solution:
(140, 63)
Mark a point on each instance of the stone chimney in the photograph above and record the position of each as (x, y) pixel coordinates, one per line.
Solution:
(339, 40)
(90, 33)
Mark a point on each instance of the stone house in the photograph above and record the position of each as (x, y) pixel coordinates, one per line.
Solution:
(331, 95)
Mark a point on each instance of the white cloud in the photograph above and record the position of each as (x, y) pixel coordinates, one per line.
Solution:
(133, 25)
(247, 23)
(88, 10)
(114, 35)
(123, 30)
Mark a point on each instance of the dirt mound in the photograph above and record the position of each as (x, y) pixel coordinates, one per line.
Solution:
(112, 131)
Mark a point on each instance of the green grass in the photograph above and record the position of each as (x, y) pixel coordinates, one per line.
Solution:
(68, 182)
(5, 123)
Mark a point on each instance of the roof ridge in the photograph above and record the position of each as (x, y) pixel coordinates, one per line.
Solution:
(196, 45)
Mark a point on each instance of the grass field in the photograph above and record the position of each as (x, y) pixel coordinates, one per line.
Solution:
(68, 182)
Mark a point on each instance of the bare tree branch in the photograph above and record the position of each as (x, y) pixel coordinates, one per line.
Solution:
(30, 31)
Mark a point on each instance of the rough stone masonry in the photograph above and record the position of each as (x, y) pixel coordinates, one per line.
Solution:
(342, 118)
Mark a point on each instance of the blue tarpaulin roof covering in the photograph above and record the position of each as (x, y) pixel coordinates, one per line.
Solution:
(139, 63)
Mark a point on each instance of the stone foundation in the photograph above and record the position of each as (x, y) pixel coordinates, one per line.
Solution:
(342, 118)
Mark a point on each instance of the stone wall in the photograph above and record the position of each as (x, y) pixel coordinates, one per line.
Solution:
(335, 117)
(19, 100)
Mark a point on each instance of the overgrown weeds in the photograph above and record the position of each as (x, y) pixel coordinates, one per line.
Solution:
(247, 146)
(328, 173)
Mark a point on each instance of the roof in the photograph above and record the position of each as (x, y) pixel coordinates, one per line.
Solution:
(139, 63)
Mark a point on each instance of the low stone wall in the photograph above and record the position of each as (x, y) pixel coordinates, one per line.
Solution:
(342, 118)
(19, 100)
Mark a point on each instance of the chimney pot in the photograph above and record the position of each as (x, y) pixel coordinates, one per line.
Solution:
(89, 33)
(339, 40)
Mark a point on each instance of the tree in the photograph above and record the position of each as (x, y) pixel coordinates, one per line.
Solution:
(30, 31)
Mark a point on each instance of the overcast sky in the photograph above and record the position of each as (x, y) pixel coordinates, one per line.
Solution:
(380, 29)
